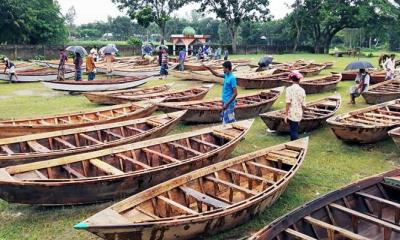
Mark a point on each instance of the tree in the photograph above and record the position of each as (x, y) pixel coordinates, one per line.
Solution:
(160, 11)
(234, 12)
(70, 19)
(31, 22)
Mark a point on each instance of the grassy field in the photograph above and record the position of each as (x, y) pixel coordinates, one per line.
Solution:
(329, 164)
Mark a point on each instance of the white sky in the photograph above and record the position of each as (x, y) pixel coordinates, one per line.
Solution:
(98, 10)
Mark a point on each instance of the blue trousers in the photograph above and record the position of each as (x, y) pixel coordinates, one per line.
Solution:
(294, 130)
(163, 69)
(91, 76)
(78, 74)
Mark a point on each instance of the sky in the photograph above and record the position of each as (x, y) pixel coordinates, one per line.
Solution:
(98, 10)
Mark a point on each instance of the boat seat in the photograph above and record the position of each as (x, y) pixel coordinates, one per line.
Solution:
(204, 198)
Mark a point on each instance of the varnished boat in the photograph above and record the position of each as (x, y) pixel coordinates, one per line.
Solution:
(20, 127)
(204, 76)
(395, 134)
(367, 125)
(376, 76)
(97, 85)
(367, 209)
(312, 70)
(209, 111)
(215, 64)
(43, 146)
(107, 97)
(318, 85)
(196, 93)
(314, 115)
(204, 202)
(329, 65)
(118, 172)
(36, 75)
(382, 92)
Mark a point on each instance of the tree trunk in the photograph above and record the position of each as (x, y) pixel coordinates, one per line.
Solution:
(297, 40)
(162, 28)
(233, 31)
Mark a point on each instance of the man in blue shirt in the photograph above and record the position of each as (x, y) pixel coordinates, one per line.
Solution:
(181, 58)
(229, 93)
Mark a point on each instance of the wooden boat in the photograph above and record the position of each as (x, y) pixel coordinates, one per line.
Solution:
(69, 65)
(312, 70)
(215, 64)
(191, 94)
(97, 85)
(209, 111)
(329, 65)
(36, 75)
(203, 76)
(140, 72)
(314, 116)
(319, 85)
(107, 97)
(376, 76)
(367, 125)
(118, 113)
(395, 134)
(118, 172)
(204, 202)
(368, 209)
(382, 92)
(272, 81)
(43, 146)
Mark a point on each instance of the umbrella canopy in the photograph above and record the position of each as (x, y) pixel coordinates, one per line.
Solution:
(265, 61)
(359, 65)
(147, 49)
(109, 49)
(77, 49)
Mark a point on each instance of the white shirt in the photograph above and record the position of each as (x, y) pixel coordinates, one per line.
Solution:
(367, 80)
(389, 65)
(296, 96)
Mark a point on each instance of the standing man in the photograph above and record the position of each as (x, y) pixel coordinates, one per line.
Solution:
(164, 63)
(91, 66)
(226, 55)
(61, 65)
(10, 66)
(78, 67)
(295, 102)
(181, 58)
(109, 62)
(390, 66)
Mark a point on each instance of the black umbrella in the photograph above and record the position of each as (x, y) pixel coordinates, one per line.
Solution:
(77, 49)
(359, 65)
(265, 61)
(109, 49)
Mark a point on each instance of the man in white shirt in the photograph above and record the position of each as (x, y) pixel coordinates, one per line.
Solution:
(295, 102)
(362, 84)
(390, 66)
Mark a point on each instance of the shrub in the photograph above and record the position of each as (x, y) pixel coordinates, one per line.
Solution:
(39, 58)
(135, 42)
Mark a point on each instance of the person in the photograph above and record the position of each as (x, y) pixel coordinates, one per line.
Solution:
(390, 66)
(181, 58)
(78, 67)
(164, 63)
(160, 55)
(109, 62)
(226, 55)
(200, 53)
(210, 53)
(362, 84)
(91, 66)
(382, 59)
(295, 102)
(10, 66)
(61, 65)
(263, 63)
(94, 53)
(218, 53)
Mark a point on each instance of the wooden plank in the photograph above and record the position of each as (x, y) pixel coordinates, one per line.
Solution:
(378, 199)
(73, 171)
(87, 137)
(232, 185)
(284, 153)
(41, 175)
(298, 235)
(204, 198)
(86, 118)
(269, 168)
(63, 142)
(113, 134)
(146, 213)
(331, 227)
(42, 121)
(105, 167)
(38, 147)
(135, 129)
(250, 176)
(103, 116)
(134, 161)
(6, 149)
(64, 121)
(204, 142)
(177, 205)
(177, 145)
(166, 157)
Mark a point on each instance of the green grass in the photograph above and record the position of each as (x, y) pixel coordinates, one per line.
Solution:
(329, 164)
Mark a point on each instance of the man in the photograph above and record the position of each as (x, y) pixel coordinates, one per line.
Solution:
(109, 62)
(94, 53)
(78, 67)
(10, 66)
(91, 66)
(164, 63)
(390, 66)
(295, 102)
(181, 58)
(362, 83)
(61, 65)
(226, 55)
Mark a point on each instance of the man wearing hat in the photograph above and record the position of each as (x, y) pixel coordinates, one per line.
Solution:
(295, 102)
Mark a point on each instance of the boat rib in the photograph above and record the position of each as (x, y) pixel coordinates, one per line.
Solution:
(383, 92)
(368, 209)
(206, 201)
(314, 115)
(120, 171)
(43, 146)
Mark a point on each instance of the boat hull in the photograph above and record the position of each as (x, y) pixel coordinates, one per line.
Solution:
(376, 98)
(258, 83)
(280, 126)
(204, 76)
(353, 134)
(35, 78)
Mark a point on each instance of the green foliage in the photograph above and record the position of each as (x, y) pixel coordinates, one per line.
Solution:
(135, 42)
(189, 31)
(31, 22)
(144, 16)
(39, 58)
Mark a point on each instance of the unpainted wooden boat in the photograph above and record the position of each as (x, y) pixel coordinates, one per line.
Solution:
(312, 70)
(118, 113)
(376, 76)
(69, 65)
(367, 209)
(382, 92)
(107, 97)
(204, 202)
(319, 85)
(142, 71)
(97, 85)
(191, 94)
(204, 76)
(314, 115)
(43, 146)
(367, 125)
(209, 111)
(118, 172)
(36, 75)
(195, 65)
(329, 65)
(395, 134)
